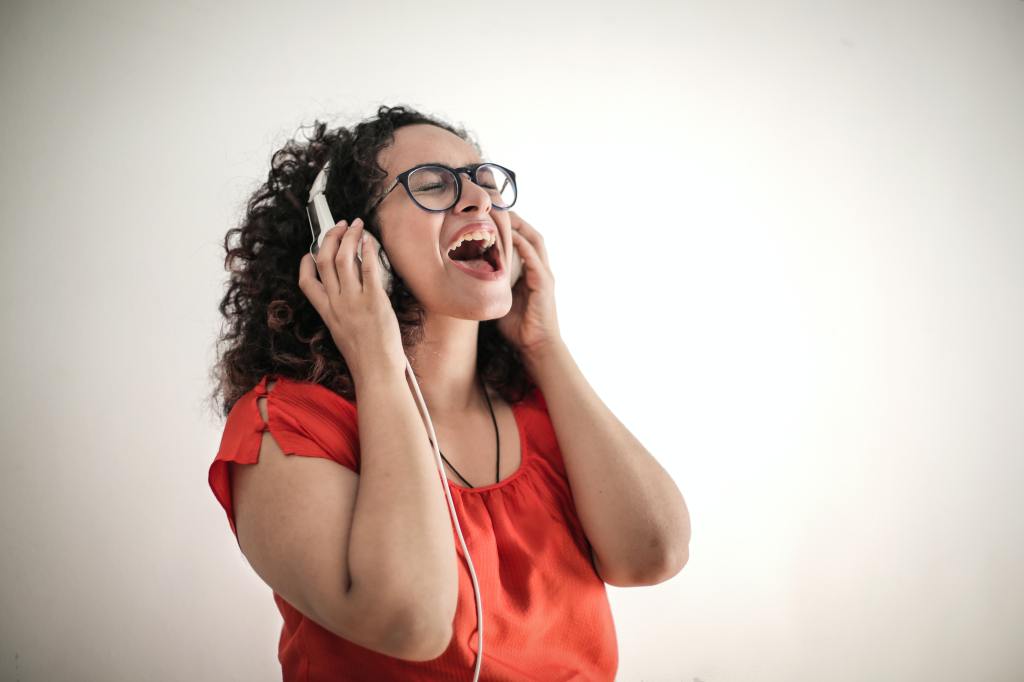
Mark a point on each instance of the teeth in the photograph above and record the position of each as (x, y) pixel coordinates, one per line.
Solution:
(487, 237)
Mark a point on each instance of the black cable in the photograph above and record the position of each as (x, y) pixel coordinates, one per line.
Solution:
(497, 439)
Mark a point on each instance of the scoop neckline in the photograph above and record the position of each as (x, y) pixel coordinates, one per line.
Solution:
(524, 458)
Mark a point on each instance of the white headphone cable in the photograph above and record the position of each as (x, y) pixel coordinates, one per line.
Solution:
(411, 376)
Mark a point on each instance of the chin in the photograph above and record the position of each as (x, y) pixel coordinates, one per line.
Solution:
(504, 309)
(492, 309)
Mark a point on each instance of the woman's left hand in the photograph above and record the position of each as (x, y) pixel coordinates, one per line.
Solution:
(531, 325)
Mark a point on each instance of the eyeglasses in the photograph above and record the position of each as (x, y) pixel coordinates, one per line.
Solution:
(437, 188)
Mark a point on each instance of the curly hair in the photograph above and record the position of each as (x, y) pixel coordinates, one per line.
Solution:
(269, 325)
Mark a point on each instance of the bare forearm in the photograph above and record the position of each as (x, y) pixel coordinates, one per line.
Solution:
(401, 551)
(631, 510)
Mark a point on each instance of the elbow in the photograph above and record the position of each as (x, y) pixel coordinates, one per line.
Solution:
(649, 574)
(427, 623)
(675, 565)
(426, 645)
(676, 557)
(666, 569)
(669, 558)
(425, 640)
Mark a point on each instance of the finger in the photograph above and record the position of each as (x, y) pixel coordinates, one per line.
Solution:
(345, 259)
(310, 285)
(527, 251)
(326, 255)
(535, 238)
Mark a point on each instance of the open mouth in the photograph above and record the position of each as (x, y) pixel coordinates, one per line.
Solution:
(473, 254)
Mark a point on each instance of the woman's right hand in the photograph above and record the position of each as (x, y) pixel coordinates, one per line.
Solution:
(358, 314)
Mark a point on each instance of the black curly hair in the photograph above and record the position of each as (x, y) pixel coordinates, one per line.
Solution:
(269, 326)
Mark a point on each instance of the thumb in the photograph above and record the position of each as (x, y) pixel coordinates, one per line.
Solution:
(311, 285)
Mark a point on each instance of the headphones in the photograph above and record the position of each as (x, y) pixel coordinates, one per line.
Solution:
(321, 220)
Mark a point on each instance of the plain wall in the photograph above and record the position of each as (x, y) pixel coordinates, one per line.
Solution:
(787, 240)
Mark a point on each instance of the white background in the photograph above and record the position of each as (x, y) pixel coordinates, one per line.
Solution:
(788, 244)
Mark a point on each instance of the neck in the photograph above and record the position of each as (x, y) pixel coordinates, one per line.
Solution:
(445, 364)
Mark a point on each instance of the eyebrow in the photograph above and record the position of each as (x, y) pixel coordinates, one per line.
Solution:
(441, 163)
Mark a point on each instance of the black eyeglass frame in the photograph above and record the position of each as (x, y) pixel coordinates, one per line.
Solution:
(403, 179)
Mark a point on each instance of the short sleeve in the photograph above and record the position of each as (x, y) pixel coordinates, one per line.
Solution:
(305, 419)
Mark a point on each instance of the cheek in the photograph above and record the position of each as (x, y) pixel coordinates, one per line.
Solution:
(413, 242)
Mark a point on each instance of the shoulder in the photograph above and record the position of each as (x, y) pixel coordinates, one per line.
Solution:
(303, 417)
(537, 426)
(293, 396)
(314, 397)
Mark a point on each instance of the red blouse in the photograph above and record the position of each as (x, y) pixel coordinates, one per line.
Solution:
(546, 609)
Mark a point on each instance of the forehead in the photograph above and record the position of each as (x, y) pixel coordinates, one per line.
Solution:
(425, 143)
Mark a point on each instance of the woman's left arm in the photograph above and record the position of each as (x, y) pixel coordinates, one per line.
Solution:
(629, 507)
(631, 511)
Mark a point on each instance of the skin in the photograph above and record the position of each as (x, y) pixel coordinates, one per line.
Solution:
(416, 242)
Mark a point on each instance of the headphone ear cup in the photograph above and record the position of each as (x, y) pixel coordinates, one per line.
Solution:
(383, 262)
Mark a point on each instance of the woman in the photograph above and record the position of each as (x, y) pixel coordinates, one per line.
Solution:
(363, 558)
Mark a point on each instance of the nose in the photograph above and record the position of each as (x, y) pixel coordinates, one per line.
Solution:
(473, 195)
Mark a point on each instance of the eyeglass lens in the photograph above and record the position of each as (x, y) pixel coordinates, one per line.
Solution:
(434, 187)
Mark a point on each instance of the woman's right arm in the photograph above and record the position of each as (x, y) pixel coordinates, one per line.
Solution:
(401, 543)
(368, 556)
(398, 560)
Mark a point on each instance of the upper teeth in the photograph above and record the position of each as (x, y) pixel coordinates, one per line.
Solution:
(483, 235)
